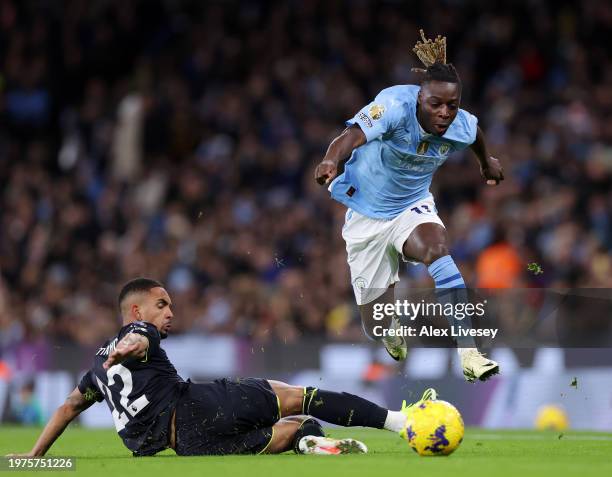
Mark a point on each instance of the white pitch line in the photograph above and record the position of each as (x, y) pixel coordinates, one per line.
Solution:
(509, 437)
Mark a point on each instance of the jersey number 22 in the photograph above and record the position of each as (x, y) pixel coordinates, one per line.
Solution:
(132, 408)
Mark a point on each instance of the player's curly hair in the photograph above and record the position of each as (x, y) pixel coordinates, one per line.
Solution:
(432, 54)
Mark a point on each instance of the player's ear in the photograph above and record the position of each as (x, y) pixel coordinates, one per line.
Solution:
(135, 311)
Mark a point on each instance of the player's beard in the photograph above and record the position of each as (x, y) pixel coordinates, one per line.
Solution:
(163, 335)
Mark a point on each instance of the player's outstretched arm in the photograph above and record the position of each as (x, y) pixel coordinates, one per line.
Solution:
(490, 167)
(133, 345)
(339, 149)
(75, 404)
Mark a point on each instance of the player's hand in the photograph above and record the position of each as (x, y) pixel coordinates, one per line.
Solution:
(326, 171)
(493, 172)
(133, 345)
(120, 354)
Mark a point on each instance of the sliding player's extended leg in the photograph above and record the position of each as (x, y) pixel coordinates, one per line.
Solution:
(372, 321)
(428, 244)
(343, 409)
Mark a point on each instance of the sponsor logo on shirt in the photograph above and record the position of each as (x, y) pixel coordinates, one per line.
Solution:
(365, 119)
(376, 111)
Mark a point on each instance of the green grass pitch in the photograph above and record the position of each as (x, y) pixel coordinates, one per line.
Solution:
(483, 453)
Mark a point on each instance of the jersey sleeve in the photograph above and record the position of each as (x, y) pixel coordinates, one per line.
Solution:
(463, 130)
(381, 116)
(89, 389)
(145, 329)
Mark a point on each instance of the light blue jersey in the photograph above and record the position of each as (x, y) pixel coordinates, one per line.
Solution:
(395, 167)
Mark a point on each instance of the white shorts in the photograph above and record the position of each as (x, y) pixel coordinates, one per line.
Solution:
(374, 247)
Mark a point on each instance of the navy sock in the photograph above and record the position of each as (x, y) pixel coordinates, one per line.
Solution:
(450, 288)
(343, 409)
(310, 427)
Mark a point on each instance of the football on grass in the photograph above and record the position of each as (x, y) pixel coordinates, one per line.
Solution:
(434, 428)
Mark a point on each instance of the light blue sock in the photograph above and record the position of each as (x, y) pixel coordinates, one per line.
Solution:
(450, 288)
(445, 273)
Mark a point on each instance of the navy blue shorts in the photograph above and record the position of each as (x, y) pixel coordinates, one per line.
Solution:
(226, 416)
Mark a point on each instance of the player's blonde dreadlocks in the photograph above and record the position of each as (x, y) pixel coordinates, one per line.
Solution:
(431, 51)
(432, 54)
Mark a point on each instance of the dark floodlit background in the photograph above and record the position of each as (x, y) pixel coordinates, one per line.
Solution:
(177, 140)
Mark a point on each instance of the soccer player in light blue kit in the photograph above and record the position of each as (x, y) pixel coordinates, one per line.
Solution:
(396, 143)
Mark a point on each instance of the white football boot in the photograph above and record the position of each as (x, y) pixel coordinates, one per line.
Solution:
(476, 365)
(327, 446)
(396, 345)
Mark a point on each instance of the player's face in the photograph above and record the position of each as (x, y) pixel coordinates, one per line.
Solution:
(156, 310)
(438, 106)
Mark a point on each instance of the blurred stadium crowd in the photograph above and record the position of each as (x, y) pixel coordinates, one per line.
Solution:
(177, 140)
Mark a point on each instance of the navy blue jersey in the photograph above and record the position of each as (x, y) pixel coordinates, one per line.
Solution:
(141, 393)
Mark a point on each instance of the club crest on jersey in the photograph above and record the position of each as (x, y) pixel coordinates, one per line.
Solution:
(422, 147)
(376, 111)
(443, 149)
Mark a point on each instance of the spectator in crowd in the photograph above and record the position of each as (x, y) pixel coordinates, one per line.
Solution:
(25, 407)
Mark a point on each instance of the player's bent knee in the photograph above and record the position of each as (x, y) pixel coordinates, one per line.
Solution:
(434, 252)
(290, 398)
